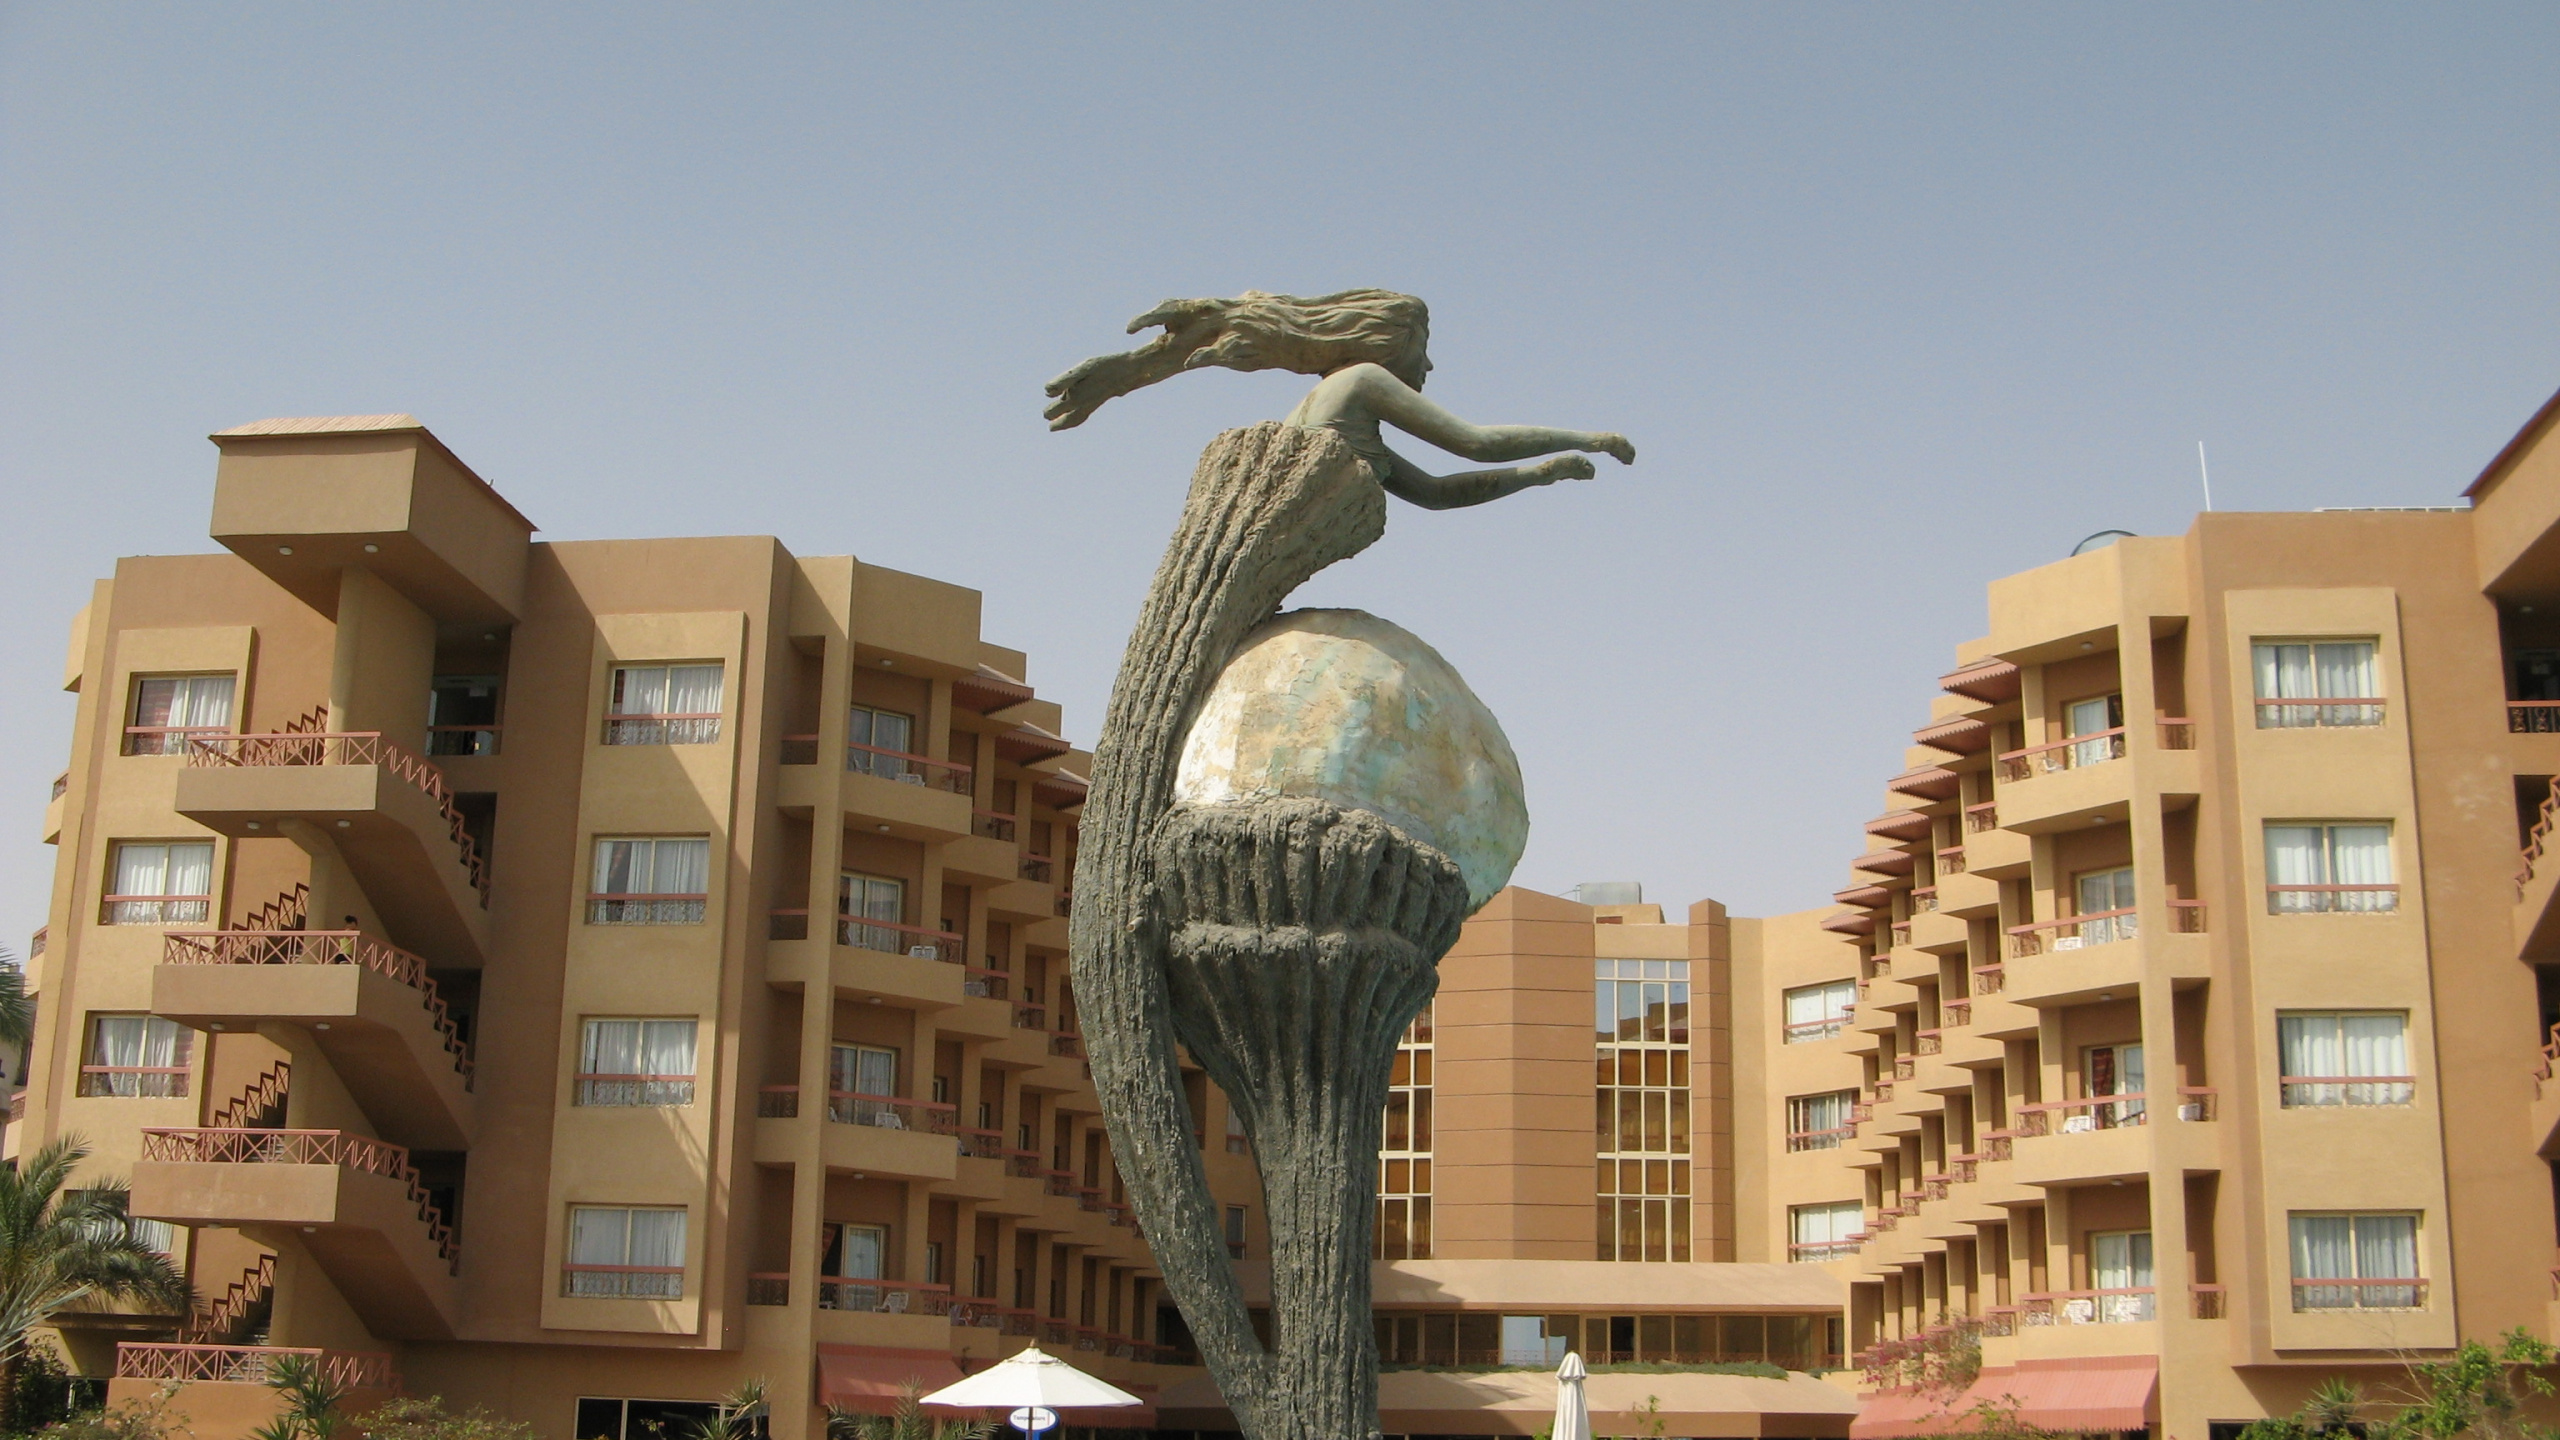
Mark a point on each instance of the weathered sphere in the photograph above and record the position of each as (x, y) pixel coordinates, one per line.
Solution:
(1339, 705)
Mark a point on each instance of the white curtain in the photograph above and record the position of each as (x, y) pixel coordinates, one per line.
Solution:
(640, 690)
(864, 1070)
(116, 1040)
(1826, 1224)
(682, 867)
(2311, 1045)
(667, 1048)
(612, 1048)
(622, 868)
(657, 1237)
(2285, 673)
(2100, 892)
(2122, 1262)
(859, 1250)
(2387, 1249)
(2377, 1045)
(598, 1237)
(2296, 855)
(2347, 671)
(2323, 1249)
(652, 867)
(693, 689)
(2361, 855)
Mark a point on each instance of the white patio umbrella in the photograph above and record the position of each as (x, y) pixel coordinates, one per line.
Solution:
(1573, 1410)
(1034, 1379)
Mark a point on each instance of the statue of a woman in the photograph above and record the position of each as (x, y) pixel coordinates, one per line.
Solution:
(1283, 937)
(1371, 348)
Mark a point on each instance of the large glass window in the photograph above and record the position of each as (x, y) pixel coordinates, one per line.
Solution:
(617, 1253)
(2096, 729)
(1825, 1232)
(2315, 869)
(2120, 1271)
(170, 709)
(612, 1419)
(159, 882)
(663, 705)
(1641, 1021)
(871, 913)
(2109, 1070)
(1404, 1154)
(636, 1062)
(462, 715)
(136, 1056)
(650, 881)
(2345, 1058)
(2317, 682)
(882, 743)
(2106, 904)
(2356, 1262)
(862, 1087)
(1820, 1122)
(1818, 1012)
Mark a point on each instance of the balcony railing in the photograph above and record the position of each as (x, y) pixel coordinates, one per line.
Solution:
(1978, 818)
(2119, 1305)
(1951, 860)
(348, 748)
(1955, 1014)
(852, 1107)
(304, 1147)
(2205, 1302)
(322, 947)
(1810, 1251)
(1924, 901)
(250, 1364)
(797, 750)
(882, 1297)
(463, 739)
(1806, 1031)
(2332, 899)
(2177, 733)
(888, 937)
(1030, 1017)
(2310, 1091)
(1066, 1043)
(982, 1144)
(2325, 711)
(646, 909)
(131, 1082)
(635, 1090)
(906, 769)
(1926, 1042)
(2054, 757)
(154, 909)
(2533, 717)
(1801, 1140)
(2075, 1117)
(1990, 979)
(2072, 932)
(2406, 1292)
(165, 739)
(786, 925)
(769, 1287)
(991, 825)
(1036, 867)
(622, 1282)
(693, 729)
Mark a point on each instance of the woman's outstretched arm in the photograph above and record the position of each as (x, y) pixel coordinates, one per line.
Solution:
(1410, 482)
(1398, 404)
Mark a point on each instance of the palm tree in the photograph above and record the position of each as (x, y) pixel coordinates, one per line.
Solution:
(64, 1248)
(310, 1396)
(740, 1416)
(17, 1008)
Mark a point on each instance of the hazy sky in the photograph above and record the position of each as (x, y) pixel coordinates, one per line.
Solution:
(1893, 299)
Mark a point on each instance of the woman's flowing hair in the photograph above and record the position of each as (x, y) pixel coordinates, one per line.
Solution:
(1314, 335)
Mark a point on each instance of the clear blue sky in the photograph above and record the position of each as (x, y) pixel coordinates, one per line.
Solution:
(1894, 299)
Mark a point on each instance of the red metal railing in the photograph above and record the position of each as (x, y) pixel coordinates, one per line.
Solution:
(463, 739)
(991, 824)
(1808, 1030)
(303, 1147)
(1955, 1014)
(2315, 1090)
(1823, 1250)
(148, 1082)
(219, 1322)
(1926, 1042)
(154, 909)
(2404, 1292)
(2115, 1305)
(2056, 756)
(882, 1297)
(1923, 901)
(698, 728)
(2177, 733)
(348, 748)
(321, 947)
(2533, 717)
(166, 739)
(797, 750)
(604, 1088)
(1036, 867)
(2545, 820)
(1951, 861)
(1799, 1140)
(646, 909)
(1985, 816)
(622, 1282)
(2205, 1302)
(986, 984)
(888, 937)
(853, 1107)
(2097, 927)
(2332, 899)
(906, 769)
(2343, 710)
(250, 1364)
(263, 1096)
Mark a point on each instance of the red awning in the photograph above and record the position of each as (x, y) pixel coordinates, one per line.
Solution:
(1991, 680)
(873, 1381)
(1901, 825)
(1963, 735)
(2101, 1392)
(989, 690)
(1890, 1413)
(1886, 862)
(1865, 897)
(1851, 924)
(1028, 744)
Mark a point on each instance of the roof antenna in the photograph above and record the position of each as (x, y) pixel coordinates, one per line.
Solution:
(2207, 476)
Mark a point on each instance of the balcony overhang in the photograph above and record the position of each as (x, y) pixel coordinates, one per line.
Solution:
(362, 1229)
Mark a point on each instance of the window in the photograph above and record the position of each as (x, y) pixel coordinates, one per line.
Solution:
(2120, 1271)
(2319, 869)
(2106, 907)
(663, 705)
(2096, 729)
(2345, 1059)
(1820, 1122)
(136, 1056)
(1818, 1012)
(462, 715)
(2317, 682)
(628, 1254)
(879, 742)
(1403, 1230)
(2109, 1070)
(871, 913)
(1235, 1232)
(2356, 1262)
(603, 1419)
(650, 882)
(158, 1235)
(1640, 1011)
(862, 1087)
(168, 710)
(160, 883)
(1825, 1232)
(636, 1062)
(854, 1252)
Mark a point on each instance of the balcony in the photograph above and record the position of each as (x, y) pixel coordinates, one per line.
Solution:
(224, 1381)
(879, 1135)
(889, 937)
(916, 796)
(2109, 1137)
(389, 812)
(2065, 784)
(354, 1203)
(371, 1008)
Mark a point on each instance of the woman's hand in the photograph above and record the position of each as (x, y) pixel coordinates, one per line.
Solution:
(1611, 443)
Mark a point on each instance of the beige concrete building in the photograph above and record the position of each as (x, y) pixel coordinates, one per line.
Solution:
(2184, 1023)
(572, 978)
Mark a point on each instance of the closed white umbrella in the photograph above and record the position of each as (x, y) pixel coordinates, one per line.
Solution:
(1573, 1409)
(1035, 1377)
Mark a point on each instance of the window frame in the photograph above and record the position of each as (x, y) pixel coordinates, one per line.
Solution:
(1834, 1020)
(570, 1268)
(149, 1082)
(2316, 711)
(661, 727)
(2359, 1284)
(2287, 1085)
(642, 907)
(162, 907)
(2329, 897)
(1801, 1251)
(672, 1092)
(141, 739)
(1801, 1140)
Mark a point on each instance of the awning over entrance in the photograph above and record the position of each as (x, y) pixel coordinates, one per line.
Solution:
(873, 1381)
(2104, 1393)
(1523, 1402)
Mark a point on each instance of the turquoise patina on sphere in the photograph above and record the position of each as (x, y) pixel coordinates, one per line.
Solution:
(1339, 705)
